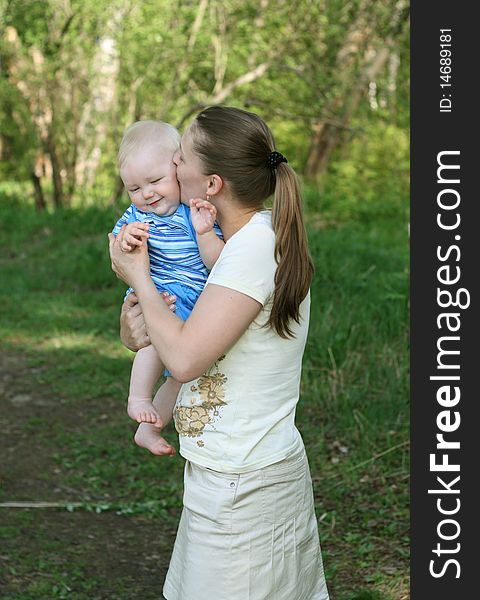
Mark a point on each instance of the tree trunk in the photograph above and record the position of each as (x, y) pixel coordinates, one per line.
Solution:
(324, 140)
(40, 203)
(58, 195)
(117, 192)
(326, 136)
(95, 117)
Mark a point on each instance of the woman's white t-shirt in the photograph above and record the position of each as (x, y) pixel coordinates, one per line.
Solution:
(239, 415)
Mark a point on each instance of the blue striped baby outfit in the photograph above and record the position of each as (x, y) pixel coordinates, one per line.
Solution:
(175, 262)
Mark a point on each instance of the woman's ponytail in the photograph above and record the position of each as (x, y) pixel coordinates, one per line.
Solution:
(295, 266)
(238, 146)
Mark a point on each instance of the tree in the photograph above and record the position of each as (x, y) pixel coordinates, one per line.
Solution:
(75, 73)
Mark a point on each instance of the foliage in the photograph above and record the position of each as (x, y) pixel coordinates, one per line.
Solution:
(74, 73)
(370, 181)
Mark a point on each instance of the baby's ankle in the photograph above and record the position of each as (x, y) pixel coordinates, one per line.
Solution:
(137, 399)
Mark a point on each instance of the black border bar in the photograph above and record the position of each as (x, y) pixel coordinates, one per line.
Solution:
(445, 271)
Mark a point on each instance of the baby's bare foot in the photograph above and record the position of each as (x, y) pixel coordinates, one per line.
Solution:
(142, 411)
(147, 436)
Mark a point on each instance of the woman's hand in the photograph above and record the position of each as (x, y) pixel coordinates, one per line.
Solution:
(133, 331)
(132, 266)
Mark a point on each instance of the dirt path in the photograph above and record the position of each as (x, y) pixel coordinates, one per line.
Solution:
(49, 553)
(52, 553)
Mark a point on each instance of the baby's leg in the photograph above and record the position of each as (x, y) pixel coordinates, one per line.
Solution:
(147, 435)
(147, 368)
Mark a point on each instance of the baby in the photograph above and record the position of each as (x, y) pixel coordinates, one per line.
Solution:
(183, 245)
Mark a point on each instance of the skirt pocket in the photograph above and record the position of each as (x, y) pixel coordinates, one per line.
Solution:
(209, 496)
(282, 489)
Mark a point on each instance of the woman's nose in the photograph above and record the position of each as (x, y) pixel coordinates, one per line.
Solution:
(175, 158)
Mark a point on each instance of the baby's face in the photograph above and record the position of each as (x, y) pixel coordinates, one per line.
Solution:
(150, 178)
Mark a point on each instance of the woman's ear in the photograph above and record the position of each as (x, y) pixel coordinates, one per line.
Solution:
(214, 185)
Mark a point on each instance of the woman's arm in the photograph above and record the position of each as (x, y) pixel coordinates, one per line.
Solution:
(133, 331)
(219, 318)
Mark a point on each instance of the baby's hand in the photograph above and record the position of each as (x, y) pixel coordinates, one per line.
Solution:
(134, 232)
(203, 215)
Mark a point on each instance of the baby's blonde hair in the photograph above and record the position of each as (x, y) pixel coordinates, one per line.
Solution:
(147, 133)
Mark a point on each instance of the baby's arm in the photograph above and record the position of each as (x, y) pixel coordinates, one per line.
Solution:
(203, 215)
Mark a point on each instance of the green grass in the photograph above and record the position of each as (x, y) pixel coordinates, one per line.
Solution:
(60, 305)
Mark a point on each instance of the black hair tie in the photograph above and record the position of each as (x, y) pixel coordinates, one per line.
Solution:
(274, 159)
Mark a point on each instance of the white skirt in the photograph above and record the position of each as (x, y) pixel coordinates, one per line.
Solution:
(248, 536)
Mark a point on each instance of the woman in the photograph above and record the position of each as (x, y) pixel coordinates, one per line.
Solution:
(248, 528)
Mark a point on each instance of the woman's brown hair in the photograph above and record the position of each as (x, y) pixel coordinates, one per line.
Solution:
(236, 144)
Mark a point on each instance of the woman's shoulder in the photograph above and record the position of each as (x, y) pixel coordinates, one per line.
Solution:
(247, 262)
(254, 243)
(258, 231)
(262, 218)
